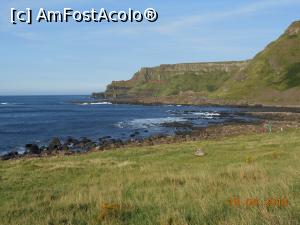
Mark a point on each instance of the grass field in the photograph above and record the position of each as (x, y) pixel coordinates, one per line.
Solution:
(164, 184)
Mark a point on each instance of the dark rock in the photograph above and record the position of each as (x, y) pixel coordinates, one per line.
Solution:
(71, 141)
(178, 125)
(106, 137)
(10, 155)
(54, 144)
(89, 146)
(84, 144)
(111, 144)
(43, 148)
(117, 143)
(106, 142)
(65, 147)
(33, 149)
(181, 132)
(85, 140)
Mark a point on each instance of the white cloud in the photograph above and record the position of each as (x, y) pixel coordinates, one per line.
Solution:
(186, 22)
(163, 27)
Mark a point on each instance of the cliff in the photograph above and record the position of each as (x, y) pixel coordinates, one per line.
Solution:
(173, 79)
(272, 77)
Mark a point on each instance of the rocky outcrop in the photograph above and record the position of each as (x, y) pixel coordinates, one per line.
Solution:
(147, 79)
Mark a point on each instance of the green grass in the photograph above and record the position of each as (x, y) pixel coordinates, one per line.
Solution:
(277, 67)
(164, 184)
(205, 83)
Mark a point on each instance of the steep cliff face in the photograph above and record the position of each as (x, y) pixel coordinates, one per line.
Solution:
(171, 79)
(272, 77)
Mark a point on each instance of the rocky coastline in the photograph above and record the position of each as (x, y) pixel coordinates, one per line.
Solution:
(270, 121)
(191, 100)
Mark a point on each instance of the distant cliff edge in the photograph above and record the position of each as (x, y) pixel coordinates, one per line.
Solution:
(272, 77)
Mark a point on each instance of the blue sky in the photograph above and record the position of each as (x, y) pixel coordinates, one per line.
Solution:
(79, 58)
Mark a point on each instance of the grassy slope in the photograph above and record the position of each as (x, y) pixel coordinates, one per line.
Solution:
(163, 184)
(204, 83)
(272, 72)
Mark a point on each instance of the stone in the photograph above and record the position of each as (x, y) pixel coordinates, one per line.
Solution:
(10, 155)
(85, 140)
(54, 144)
(71, 141)
(200, 153)
(106, 137)
(33, 149)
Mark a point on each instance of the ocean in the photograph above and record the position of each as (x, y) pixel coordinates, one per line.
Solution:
(37, 119)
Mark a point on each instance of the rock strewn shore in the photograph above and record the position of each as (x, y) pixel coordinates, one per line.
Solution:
(190, 100)
(270, 122)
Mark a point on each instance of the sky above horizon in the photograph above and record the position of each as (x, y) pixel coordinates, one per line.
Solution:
(80, 58)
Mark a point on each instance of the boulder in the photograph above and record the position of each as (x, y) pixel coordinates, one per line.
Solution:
(89, 146)
(200, 153)
(106, 137)
(85, 140)
(10, 155)
(83, 143)
(33, 149)
(71, 141)
(54, 144)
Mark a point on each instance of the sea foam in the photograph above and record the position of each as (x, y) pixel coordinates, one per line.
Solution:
(96, 103)
(149, 122)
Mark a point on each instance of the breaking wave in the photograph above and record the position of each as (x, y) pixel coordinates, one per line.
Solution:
(206, 114)
(9, 103)
(149, 122)
(96, 103)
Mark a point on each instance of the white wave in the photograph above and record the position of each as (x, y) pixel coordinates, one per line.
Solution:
(149, 122)
(206, 114)
(101, 103)
(120, 125)
(10, 103)
(95, 103)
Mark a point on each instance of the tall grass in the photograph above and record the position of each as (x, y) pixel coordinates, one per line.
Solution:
(163, 184)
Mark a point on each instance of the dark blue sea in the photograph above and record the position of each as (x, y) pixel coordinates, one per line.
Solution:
(37, 119)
